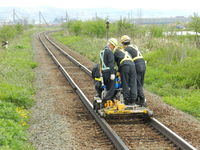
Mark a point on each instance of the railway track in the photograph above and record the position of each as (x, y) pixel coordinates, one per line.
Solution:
(126, 133)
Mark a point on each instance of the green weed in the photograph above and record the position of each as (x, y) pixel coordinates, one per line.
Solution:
(12, 136)
(86, 46)
(16, 91)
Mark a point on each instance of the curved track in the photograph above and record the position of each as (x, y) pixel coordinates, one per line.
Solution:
(136, 133)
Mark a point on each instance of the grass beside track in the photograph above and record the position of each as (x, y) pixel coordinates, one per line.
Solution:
(172, 69)
(89, 47)
(16, 92)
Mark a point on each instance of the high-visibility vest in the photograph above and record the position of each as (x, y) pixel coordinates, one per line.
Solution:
(126, 56)
(103, 66)
(139, 55)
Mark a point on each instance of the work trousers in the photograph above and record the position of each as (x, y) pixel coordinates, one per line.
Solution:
(129, 84)
(110, 86)
(140, 70)
(98, 87)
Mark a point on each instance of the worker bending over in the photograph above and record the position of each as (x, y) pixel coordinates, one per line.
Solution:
(97, 80)
(139, 64)
(107, 64)
(126, 67)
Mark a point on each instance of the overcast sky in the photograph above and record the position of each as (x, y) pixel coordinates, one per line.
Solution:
(126, 4)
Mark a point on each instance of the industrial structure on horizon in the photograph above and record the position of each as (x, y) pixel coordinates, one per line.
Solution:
(163, 20)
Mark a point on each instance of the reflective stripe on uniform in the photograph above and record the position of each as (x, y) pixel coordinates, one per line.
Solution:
(104, 67)
(97, 79)
(139, 55)
(126, 57)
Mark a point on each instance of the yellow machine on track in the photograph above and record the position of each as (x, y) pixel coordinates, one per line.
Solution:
(118, 108)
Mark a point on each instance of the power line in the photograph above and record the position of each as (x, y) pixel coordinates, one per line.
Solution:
(41, 16)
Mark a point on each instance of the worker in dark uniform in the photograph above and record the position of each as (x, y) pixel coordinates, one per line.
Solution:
(97, 80)
(107, 64)
(139, 64)
(126, 67)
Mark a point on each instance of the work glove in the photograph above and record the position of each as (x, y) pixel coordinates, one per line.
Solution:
(112, 77)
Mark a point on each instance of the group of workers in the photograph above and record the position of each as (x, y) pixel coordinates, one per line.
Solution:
(130, 68)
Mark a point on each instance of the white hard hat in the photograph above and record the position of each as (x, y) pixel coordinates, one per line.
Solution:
(113, 41)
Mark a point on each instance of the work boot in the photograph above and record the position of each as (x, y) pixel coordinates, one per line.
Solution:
(137, 101)
(126, 101)
(133, 101)
(142, 101)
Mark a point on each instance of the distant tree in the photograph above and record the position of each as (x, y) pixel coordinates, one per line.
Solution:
(95, 28)
(195, 25)
(19, 28)
(124, 26)
(75, 27)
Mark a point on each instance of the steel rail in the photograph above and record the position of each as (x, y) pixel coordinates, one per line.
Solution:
(172, 136)
(85, 69)
(176, 139)
(111, 134)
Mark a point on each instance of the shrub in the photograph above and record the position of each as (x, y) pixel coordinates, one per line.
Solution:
(7, 32)
(94, 28)
(156, 31)
(19, 28)
(195, 25)
(75, 27)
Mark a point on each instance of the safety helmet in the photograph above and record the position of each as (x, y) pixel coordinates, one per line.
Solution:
(113, 41)
(125, 38)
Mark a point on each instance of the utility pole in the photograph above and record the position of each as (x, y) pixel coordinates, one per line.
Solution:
(96, 16)
(67, 17)
(140, 16)
(107, 27)
(128, 16)
(14, 20)
(131, 16)
(41, 16)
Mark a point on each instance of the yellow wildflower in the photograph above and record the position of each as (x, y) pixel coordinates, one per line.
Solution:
(22, 112)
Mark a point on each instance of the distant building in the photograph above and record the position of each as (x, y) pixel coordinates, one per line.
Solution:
(164, 20)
